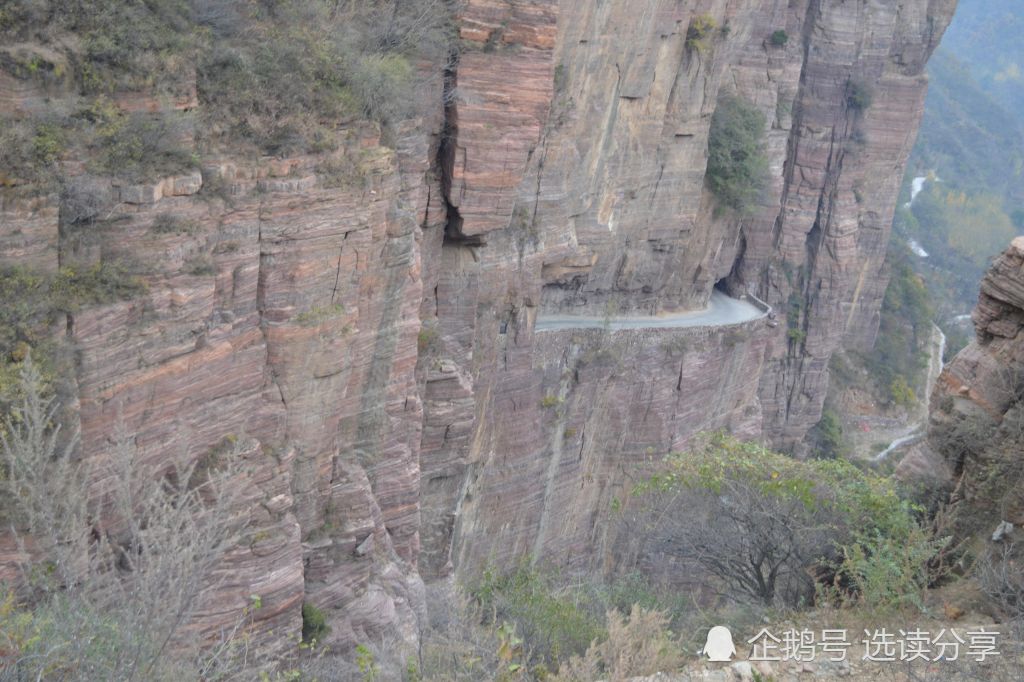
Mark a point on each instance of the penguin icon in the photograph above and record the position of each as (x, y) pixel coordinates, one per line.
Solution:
(719, 646)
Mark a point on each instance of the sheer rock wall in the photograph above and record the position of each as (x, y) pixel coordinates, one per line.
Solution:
(375, 331)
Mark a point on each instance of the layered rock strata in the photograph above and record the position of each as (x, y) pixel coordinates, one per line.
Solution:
(368, 316)
(977, 414)
(611, 217)
(284, 309)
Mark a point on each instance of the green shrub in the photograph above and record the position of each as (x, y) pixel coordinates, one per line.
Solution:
(549, 401)
(779, 38)
(382, 83)
(126, 43)
(319, 314)
(637, 645)
(48, 143)
(367, 663)
(29, 149)
(901, 392)
(168, 223)
(277, 74)
(827, 436)
(428, 340)
(287, 81)
(118, 44)
(26, 318)
(141, 146)
(279, 92)
(737, 164)
(17, 160)
(200, 266)
(33, 303)
(858, 95)
(32, 299)
(75, 288)
(549, 617)
(26, 312)
(700, 33)
(889, 571)
(314, 623)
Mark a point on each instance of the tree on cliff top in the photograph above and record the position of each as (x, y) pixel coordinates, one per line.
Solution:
(737, 165)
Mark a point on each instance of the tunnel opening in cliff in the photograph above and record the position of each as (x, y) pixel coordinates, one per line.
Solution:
(732, 283)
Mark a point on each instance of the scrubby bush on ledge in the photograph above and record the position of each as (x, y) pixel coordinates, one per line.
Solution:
(550, 618)
(779, 38)
(700, 33)
(28, 150)
(858, 95)
(283, 77)
(287, 78)
(314, 623)
(737, 164)
(137, 146)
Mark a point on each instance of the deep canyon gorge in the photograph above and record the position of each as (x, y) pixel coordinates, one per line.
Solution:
(375, 337)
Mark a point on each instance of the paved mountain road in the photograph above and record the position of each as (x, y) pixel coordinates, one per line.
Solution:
(721, 310)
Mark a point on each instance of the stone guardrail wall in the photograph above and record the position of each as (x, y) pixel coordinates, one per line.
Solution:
(758, 303)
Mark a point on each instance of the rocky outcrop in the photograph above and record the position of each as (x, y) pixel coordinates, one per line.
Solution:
(977, 417)
(849, 93)
(368, 315)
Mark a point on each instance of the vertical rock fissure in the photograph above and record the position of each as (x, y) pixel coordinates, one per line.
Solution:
(447, 150)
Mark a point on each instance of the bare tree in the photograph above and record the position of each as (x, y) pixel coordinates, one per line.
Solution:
(755, 547)
(759, 527)
(120, 555)
(1001, 578)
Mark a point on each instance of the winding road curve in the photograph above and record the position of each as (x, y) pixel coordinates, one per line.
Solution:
(722, 310)
(919, 429)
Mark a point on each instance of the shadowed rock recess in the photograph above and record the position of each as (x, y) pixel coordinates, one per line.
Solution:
(378, 338)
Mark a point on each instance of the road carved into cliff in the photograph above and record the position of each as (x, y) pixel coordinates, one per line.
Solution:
(722, 310)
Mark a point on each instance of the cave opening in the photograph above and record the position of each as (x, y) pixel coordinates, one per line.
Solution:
(732, 283)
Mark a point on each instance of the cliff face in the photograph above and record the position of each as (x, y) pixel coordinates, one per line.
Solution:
(977, 417)
(376, 333)
(818, 251)
(288, 312)
(611, 217)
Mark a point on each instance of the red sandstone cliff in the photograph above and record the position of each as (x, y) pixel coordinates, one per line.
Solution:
(977, 417)
(378, 338)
